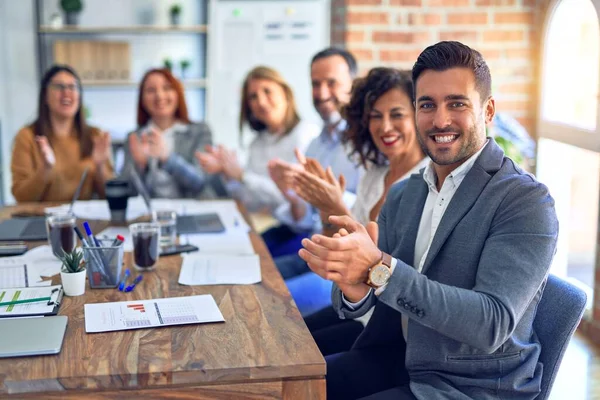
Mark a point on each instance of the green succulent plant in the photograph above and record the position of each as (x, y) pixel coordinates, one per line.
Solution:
(168, 64)
(72, 262)
(175, 9)
(71, 5)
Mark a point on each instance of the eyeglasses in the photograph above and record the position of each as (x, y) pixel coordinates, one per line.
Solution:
(61, 87)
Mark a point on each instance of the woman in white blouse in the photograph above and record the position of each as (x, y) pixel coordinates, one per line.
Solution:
(381, 131)
(269, 108)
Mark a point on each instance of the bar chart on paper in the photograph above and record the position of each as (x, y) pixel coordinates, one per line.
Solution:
(123, 315)
(135, 316)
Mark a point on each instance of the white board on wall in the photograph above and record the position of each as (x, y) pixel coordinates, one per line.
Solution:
(283, 35)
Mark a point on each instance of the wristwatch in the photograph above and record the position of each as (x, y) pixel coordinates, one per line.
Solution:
(380, 273)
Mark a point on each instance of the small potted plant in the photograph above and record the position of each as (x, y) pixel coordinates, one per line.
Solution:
(168, 64)
(175, 13)
(71, 8)
(185, 64)
(72, 273)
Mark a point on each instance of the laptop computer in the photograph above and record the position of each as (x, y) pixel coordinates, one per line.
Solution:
(32, 336)
(186, 224)
(33, 228)
(30, 228)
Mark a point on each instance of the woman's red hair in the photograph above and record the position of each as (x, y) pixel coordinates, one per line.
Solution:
(181, 112)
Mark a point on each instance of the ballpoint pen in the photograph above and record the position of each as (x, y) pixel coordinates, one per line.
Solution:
(10, 303)
(124, 280)
(135, 282)
(104, 265)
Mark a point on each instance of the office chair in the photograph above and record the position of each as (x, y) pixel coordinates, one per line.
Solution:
(557, 317)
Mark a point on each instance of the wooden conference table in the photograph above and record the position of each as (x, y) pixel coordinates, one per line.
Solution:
(262, 351)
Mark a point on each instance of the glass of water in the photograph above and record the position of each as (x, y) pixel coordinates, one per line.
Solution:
(167, 219)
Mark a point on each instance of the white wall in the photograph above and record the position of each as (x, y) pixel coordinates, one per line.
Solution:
(18, 76)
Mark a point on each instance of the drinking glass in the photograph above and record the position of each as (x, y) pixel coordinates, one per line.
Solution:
(145, 237)
(61, 236)
(167, 219)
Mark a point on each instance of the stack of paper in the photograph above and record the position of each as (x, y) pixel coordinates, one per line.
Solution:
(219, 269)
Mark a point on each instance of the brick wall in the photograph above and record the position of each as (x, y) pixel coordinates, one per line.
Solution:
(394, 32)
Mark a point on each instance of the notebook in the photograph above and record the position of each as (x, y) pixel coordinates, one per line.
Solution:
(32, 336)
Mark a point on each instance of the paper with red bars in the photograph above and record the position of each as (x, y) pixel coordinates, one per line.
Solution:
(124, 315)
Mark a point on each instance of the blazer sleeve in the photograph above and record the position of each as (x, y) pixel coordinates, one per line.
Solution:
(187, 172)
(383, 243)
(513, 265)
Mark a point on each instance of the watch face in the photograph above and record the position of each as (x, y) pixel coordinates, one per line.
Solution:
(380, 275)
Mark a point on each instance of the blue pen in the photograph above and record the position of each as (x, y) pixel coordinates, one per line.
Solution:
(124, 280)
(93, 241)
(135, 282)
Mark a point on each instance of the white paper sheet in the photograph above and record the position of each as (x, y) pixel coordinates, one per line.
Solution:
(16, 272)
(98, 209)
(42, 261)
(124, 315)
(220, 243)
(112, 231)
(218, 269)
(226, 209)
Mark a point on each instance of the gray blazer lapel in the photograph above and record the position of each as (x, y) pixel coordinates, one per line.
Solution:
(410, 209)
(471, 187)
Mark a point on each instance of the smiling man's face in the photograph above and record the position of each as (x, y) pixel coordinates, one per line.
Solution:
(451, 116)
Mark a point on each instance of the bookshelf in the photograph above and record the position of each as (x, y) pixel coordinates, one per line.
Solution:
(133, 29)
(112, 97)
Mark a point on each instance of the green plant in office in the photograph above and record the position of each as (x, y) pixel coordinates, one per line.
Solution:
(71, 8)
(175, 12)
(72, 262)
(184, 64)
(168, 64)
(510, 149)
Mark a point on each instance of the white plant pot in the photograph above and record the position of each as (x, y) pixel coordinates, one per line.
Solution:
(73, 284)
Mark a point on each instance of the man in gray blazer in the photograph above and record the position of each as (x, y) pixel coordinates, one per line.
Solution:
(462, 258)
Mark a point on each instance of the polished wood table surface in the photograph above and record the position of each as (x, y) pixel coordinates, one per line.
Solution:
(262, 351)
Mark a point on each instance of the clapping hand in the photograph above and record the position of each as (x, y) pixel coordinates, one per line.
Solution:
(157, 146)
(46, 150)
(139, 150)
(101, 149)
(346, 257)
(283, 174)
(231, 165)
(210, 159)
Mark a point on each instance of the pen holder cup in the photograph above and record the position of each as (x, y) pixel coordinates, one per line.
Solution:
(103, 264)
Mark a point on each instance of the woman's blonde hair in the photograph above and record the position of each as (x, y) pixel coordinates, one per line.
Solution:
(291, 115)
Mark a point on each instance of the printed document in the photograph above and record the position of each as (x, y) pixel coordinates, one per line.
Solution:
(219, 269)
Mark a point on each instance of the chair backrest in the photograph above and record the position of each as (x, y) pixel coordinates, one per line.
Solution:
(556, 319)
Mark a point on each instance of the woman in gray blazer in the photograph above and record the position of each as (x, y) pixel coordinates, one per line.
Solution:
(162, 149)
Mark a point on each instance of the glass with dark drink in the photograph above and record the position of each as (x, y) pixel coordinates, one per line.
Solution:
(146, 239)
(61, 235)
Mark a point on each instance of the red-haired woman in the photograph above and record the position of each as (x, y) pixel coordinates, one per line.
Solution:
(162, 148)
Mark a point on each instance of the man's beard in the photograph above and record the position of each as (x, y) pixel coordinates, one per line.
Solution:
(470, 144)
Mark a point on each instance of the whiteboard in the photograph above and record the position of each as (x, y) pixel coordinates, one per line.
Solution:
(284, 35)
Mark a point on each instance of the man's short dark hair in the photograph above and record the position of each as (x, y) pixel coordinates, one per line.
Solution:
(445, 55)
(336, 51)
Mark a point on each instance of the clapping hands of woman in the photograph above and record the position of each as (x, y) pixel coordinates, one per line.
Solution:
(216, 160)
